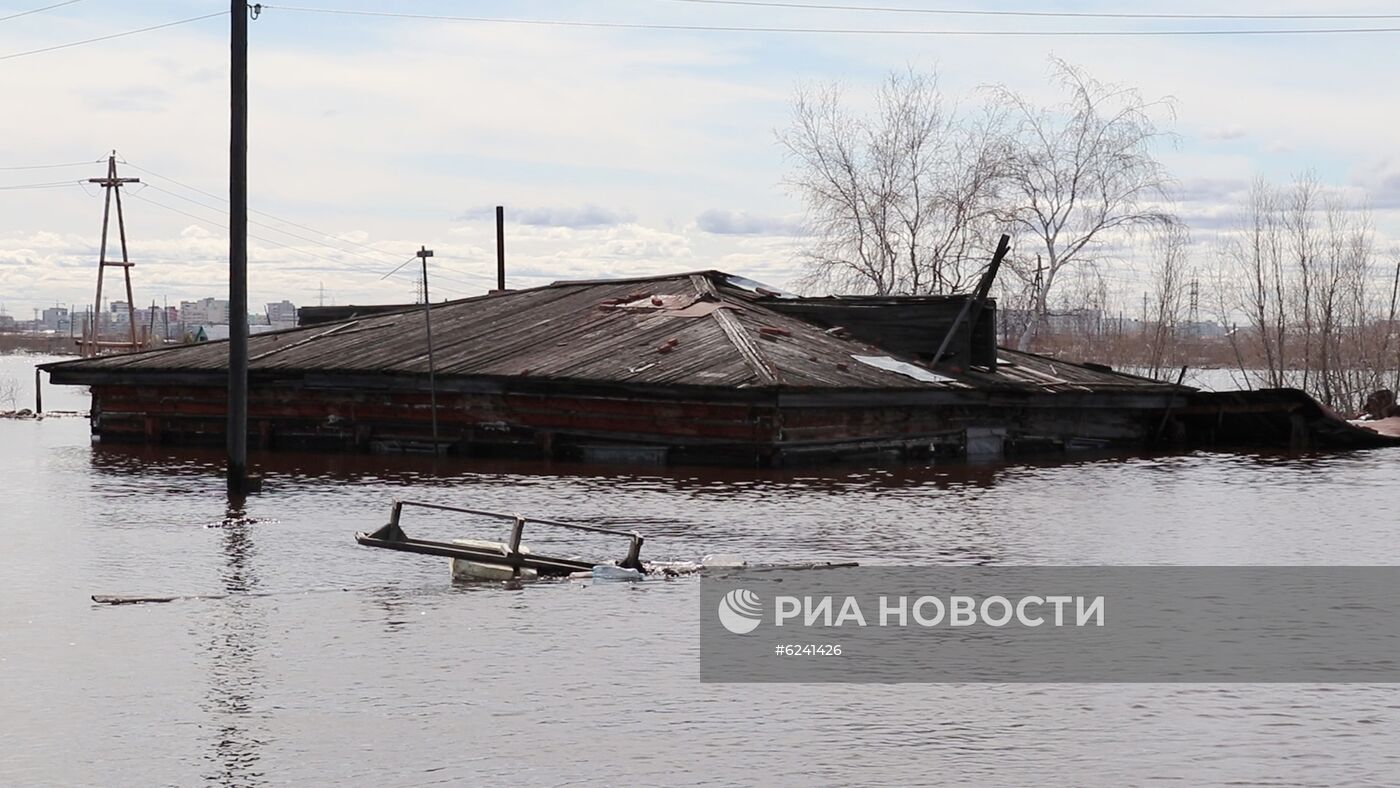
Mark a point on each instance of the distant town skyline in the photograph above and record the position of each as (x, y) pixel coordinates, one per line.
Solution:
(616, 152)
(163, 320)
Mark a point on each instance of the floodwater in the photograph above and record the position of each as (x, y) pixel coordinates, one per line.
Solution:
(324, 663)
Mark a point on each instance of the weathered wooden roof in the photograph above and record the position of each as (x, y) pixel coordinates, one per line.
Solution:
(693, 329)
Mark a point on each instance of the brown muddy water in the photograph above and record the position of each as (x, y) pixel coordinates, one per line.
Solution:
(331, 664)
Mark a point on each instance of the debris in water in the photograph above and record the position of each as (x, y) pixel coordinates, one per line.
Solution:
(611, 572)
(723, 559)
(509, 560)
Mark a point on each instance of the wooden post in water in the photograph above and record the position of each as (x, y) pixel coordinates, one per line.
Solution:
(1171, 403)
(238, 250)
(38, 393)
(423, 254)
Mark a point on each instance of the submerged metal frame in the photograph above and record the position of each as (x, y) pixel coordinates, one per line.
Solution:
(392, 537)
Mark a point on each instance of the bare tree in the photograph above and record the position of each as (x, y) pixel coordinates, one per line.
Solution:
(1078, 313)
(1078, 173)
(9, 393)
(1261, 290)
(1169, 272)
(899, 201)
(1320, 310)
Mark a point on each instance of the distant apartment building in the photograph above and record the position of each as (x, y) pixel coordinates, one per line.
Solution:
(55, 318)
(206, 311)
(158, 321)
(282, 314)
(169, 318)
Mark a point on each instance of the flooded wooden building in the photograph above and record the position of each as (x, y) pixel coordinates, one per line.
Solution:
(697, 367)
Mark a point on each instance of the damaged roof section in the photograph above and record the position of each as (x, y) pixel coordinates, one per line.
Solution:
(703, 329)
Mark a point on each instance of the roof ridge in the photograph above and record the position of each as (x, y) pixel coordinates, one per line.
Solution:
(734, 332)
(705, 272)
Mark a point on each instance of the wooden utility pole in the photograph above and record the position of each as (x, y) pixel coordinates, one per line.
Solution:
(238, 250)
(151, 330)
(1195, 302)
(500, 247)
(112, 186)
(423, 254)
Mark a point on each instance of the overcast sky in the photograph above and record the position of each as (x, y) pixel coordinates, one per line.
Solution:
(616, 152)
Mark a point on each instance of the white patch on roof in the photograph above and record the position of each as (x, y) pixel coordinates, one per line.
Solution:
(754, 287)
(904, 368)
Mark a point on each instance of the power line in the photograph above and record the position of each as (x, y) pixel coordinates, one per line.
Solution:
(838, 30)
(260, 213)
(224, 227)
(274, 228)
(315, 241)
(398, 268)
(1051, 14)
(343, 264)
(50, 185)
(462, 282)
(308, 228)
(177, 183)
(439, 275)
(111, 36)
(38, 10)
(50, 166)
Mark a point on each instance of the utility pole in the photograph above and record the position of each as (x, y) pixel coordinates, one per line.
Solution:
(500, 247)
(423, 254)
(238, 250)
(321, 301)
(1195, 307)
(112, 186)
(1037, 316)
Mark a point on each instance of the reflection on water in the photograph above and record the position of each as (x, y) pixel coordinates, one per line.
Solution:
(294, 467)
(414, 469)
(323, 662)
(234, 654)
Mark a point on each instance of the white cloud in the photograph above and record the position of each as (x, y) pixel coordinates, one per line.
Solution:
(581, 216)
(724, 222)
(1227, 132)
(1211, 191)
